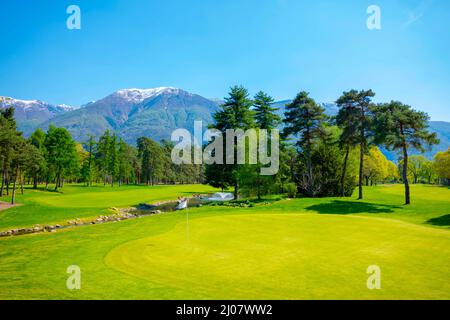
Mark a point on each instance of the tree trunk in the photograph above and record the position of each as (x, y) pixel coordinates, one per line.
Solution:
(344, 172)
(309, 187)
(7, 180)
(21, 184)
(405, 175)
(3, 180)
(361, 168)
(57, 182)
(13, 196)
(259, 191)
(310, 174)
(236, 189)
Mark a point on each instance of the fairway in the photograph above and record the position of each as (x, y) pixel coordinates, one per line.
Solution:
(289, 249)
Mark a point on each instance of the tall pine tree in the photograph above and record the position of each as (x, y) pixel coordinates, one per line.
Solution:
(356, 119)
(399, 127)
(304, 118)
(235, 113)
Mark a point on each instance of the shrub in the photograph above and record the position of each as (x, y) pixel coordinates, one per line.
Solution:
(291, 190)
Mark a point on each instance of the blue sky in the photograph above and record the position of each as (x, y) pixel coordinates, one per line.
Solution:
(206, 46)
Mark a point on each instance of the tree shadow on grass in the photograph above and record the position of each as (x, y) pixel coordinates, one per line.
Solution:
(442, 221)
(43, 189)
(351, 207)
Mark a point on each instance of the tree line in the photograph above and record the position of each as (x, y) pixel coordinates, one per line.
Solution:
(320, 156)
(53, 157)
(326, 156)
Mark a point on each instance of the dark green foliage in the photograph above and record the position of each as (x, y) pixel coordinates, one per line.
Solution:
(355, 118)
(8, 138)
(88, 165)
(328, 159)
(61, 154)
(103, 157)
(305, 118)
(235, 113)
(113, 161)
(151, 155)
(265, 114)
(127, 156)
(25, 156)
(39, 169)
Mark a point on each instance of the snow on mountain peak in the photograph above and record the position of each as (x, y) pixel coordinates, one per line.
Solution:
(67, 107)
(139, 95)
(22, 102)
(32, 104)
(25, 104)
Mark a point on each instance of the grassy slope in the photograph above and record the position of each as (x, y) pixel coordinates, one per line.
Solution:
(303, 248)
(77, 201)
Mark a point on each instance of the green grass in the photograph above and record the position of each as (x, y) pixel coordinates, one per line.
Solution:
(290, 249)
(77, 201)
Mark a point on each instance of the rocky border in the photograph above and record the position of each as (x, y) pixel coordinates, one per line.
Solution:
(123, 214)
(120, 215)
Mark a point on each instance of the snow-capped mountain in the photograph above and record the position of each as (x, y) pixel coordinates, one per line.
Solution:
(133, 113)
(30, 105)
(139, 95)
(31, 113)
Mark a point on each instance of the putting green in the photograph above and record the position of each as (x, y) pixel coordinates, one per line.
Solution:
(291, 256)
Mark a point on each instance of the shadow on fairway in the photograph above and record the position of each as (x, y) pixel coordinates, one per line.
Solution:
(351, 207)
(443, 221)
(42, 189)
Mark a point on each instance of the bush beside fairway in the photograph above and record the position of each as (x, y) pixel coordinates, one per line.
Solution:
(291, 249)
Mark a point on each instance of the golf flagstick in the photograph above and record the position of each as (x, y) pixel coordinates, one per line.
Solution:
(187, 220)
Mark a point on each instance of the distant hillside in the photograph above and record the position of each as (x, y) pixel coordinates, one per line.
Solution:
(30, 114)
(440, 127)
(134, 113)
(443, 132)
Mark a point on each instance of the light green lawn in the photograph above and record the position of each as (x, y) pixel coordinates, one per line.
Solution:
(291, 249)
(77, 201)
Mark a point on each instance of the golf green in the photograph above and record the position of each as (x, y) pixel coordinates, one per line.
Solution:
(288, 249)
(291, 256)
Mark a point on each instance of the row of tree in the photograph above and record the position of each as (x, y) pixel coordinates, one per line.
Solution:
(442, 166)
(53, 157)
(319, 153)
